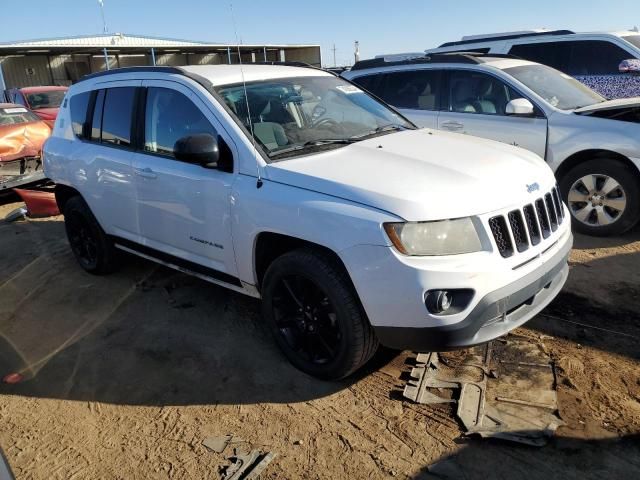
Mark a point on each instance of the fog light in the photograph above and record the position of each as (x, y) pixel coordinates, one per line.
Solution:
(448, 302)
(439, 301)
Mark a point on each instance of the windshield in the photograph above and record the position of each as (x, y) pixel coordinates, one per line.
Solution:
(16, 115)
(557, 88)
(292, 116)
(633, 40)
(50, 99)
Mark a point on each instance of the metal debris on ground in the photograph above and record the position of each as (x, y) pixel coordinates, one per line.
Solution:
(17, 214)
(217, 444)
(247, 465)
(502, 389)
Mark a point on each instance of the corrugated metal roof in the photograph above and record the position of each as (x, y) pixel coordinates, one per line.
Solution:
(120, 40)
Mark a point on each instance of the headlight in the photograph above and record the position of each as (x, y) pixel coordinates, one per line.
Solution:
(446, 237)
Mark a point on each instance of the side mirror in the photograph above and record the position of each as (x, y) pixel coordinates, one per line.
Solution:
(520, 107)
(201, 149)
(631, 65)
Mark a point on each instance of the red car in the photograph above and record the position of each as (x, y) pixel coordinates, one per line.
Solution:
(22, 135)
(43, 101)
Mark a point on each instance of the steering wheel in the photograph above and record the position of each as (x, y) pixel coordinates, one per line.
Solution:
(327, 122)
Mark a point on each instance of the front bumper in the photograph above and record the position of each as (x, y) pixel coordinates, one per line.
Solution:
(496, 314)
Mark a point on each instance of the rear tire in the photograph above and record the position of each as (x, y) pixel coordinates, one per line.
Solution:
(91, 246)
(603, 196)
(315, 315)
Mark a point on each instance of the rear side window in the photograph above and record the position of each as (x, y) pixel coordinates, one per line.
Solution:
(552, 54)
(78, 107)
(416, 90)
(117, 115)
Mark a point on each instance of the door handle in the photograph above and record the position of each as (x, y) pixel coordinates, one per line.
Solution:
(146, 173)
(452, 125)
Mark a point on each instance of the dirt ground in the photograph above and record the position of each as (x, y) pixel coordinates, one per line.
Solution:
(126, 375)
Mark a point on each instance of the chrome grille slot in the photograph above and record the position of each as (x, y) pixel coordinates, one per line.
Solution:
(501, 235)
(518, 230)
(557, 201)
(553, 217)
(543, 218)
(532, 224)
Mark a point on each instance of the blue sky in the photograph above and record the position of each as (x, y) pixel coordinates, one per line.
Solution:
(380, 26)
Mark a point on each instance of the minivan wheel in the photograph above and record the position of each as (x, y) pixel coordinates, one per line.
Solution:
(315, 316)
(603, 197)
(92, 248)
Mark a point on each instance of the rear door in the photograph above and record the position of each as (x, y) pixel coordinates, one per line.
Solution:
(475, 104)
(183, 208)
(416, 93)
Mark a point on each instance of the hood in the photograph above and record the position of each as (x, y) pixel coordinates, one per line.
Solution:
(22, 140)
(46, 113)
(421, 175)
(622, 109)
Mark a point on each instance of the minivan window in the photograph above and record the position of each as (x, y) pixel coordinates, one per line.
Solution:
(477, 92)
(117, 115)
(170, 116)
(557, 88)
(78, 105)
(293, 116)
(585, 57)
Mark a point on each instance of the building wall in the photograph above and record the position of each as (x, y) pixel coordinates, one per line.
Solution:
(34, 70)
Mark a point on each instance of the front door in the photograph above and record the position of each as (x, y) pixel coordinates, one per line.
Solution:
(183, 208)
(476, 106)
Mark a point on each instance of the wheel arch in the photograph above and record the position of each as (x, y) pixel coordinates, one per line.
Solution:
(63, 193)
(584, 155)
(268, 246)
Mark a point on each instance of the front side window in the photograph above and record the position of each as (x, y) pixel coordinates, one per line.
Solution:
(117, 115)
(78, 105)
(476, 92)
(50, 99)
(170, 116)
(294, 116)
(558, 89)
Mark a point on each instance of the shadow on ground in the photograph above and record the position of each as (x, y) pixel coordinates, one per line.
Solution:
(146, 335)
(492, 459)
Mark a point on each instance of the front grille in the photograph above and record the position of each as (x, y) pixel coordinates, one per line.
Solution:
(523, 228)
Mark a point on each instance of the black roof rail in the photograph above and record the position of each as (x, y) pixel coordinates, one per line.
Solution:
(453, 57)
(507, 37)
(113, 71)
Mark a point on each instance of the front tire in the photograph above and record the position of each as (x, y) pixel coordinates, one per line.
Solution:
(315, 316)
(603, 196)
(91, 246)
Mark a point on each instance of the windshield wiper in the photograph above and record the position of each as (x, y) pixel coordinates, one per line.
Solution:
(392, 127)
(312, 143)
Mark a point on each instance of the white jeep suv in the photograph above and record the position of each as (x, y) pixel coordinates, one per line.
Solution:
(591, 144)
(294, 186)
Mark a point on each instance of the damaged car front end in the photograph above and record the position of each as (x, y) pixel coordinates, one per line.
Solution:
(22, 135)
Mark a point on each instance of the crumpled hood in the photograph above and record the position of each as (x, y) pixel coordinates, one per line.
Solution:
(22, 140)
(421, 175)
(610, 105)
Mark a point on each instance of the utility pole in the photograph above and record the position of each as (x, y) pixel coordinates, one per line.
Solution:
(334, 55)
(356, 54)
(104, 21)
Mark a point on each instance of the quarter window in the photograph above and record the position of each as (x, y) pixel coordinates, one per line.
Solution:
(170, 116)
(117, 115)
(475, 92)
(78, 108)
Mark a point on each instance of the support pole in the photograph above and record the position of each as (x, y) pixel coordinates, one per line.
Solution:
(3, 86)
(106, 58)
(264, 52)
(229, 55)
(153, 56)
